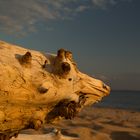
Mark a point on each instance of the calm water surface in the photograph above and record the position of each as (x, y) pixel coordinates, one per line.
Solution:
(122, 99)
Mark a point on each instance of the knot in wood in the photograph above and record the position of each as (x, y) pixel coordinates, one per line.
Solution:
(65, 67)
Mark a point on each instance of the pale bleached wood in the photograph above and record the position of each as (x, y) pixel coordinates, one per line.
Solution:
(38, 88)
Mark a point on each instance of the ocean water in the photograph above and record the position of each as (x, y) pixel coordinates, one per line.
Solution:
(122, 99)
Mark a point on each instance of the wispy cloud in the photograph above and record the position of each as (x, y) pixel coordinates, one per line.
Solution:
(22, 16)
(103, 3)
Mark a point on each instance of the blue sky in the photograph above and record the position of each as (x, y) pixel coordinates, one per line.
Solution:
(104, 35)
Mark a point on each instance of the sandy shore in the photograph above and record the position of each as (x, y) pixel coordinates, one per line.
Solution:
(95, 124)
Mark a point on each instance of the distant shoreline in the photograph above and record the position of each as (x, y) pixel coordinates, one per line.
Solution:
(115, 108)
(122, 99)
(124, 90)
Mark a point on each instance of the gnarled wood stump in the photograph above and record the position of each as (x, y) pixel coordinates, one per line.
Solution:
(37, 88)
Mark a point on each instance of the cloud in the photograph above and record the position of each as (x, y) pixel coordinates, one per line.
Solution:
(22, 16)
(103, 3)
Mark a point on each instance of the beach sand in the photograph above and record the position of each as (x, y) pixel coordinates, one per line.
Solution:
(94, 123)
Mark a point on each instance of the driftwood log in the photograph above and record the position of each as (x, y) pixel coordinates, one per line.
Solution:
(37, 89)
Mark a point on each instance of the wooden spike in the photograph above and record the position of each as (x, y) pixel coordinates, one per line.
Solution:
(68, 55)
(26, 58)
(61, 54)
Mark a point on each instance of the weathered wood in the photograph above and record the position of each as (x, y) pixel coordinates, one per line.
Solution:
(37, 88)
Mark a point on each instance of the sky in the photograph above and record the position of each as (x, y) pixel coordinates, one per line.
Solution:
(104, 35)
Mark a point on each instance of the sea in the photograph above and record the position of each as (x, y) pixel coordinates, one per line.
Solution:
(129, 100)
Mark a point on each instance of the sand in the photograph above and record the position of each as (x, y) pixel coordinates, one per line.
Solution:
(93, 123)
